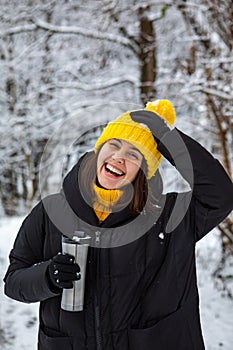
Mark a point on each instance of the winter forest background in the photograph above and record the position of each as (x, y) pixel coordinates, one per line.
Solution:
(69, 66)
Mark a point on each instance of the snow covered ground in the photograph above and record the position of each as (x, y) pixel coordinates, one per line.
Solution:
(19, 322)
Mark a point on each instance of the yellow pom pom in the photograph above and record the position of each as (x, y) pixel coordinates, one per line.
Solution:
(164, 109)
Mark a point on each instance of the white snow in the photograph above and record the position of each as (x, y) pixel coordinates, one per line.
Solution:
(19, 322)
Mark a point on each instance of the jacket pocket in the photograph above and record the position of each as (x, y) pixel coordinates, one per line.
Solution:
(50, 342)
(171, 333)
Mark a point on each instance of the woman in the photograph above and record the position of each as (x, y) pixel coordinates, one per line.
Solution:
(140, 288)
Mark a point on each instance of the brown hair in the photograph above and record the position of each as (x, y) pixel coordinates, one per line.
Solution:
(137, 200)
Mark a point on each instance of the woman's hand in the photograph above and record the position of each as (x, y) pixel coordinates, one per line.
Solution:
(63, 270)
(154, 122)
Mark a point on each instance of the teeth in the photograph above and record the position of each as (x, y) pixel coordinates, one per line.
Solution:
(113, 170)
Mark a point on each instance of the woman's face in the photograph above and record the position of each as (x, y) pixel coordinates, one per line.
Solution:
(118, 163)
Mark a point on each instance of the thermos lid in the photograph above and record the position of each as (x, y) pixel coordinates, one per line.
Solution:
(81, 237)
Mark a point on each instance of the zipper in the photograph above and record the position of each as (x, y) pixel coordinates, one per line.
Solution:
(97, 238)
(97, 326)
(96, 304)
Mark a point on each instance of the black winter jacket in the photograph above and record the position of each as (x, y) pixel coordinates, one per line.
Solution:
(141, 295)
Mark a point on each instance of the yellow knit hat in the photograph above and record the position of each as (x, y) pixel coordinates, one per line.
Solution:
(139, 135)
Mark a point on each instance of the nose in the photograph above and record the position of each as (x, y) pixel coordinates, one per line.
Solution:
(118, 156)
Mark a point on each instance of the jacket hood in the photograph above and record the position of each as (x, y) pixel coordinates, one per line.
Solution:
(74, 197)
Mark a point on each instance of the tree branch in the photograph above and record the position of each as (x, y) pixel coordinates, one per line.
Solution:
(39, 24)
(17, 30)
(222, 133)
(90, 87)
(87, 33)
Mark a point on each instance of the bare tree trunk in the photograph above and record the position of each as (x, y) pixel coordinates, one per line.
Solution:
(46, 71)
(10, 88)
(147, 57)
(9, 190)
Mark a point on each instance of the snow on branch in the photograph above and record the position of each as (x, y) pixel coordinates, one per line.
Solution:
(17, 30)
(94, 34)
(217, 93)
(209, 91)
(217, 60)
(187, 89)
(89, 87)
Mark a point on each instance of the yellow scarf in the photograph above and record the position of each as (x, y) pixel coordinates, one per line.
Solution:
(104, 201)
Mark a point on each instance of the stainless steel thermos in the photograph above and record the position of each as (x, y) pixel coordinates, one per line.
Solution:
(73, 299)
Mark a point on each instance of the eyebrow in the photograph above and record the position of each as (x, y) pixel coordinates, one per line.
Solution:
(132, 147)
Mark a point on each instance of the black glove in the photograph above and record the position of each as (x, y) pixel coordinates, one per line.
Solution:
(155, 123)
(157, 126)
(63, 270)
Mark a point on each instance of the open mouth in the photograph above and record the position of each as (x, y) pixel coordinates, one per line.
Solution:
(112, 170)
